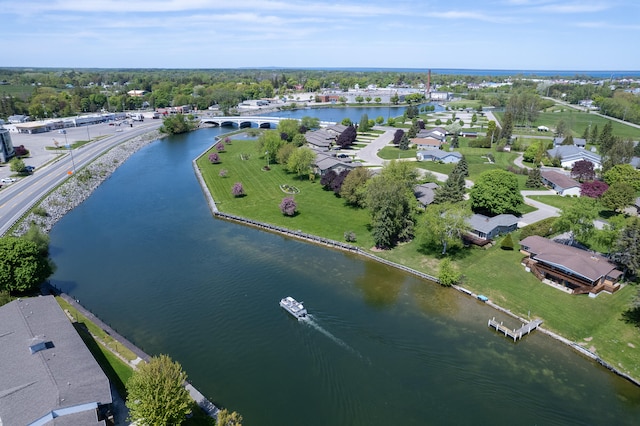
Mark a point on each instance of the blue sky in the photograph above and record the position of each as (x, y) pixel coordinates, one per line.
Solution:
(484, 34)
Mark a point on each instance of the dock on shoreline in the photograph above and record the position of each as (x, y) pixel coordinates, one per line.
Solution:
(515, 334)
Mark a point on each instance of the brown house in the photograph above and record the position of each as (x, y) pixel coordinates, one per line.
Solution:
(578, 270)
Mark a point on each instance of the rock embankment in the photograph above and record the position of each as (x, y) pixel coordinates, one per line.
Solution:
(81, 185)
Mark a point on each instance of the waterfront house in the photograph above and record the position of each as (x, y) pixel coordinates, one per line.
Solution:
(560, 183)
(579, 271)
(47, 374)
(325, 162)
(436, 133)
(485, 228)
(321, 139)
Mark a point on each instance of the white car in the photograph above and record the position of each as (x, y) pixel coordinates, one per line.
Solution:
(7, 180)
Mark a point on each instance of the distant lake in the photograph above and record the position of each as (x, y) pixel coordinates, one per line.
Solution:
(382, 347)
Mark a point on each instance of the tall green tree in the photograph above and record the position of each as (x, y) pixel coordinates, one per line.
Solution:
(300, 161)
(507, 126)
(269, 143)
(453, 190)
(534, 178)
(401, 171)
(354, 187)
(578, 219)
(156, 393)
(623, 173)
(392, 207)
(496, 192)
(626, 251)
(23, 265)
(443, 225)
(225, 418)
(176, 124)
(288, 128)
(618, 196)
(364, 123)
(620, 152)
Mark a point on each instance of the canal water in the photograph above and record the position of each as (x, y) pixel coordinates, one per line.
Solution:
(381, 347)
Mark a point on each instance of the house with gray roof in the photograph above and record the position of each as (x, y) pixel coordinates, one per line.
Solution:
(436, 133)
(47, 374)
(439, 155)
(578, 270)
(569, 154)
(579, 142)
(325, 162)
(485, 228)
(320, 140)
(426, 143)
(560, 183)
(425, 192)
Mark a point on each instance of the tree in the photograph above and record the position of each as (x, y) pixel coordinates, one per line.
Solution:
(24, 265)
(507, 126)
(403, 172)
(364, 123)
(176, 124)
(16, 165)
(336, 184)
(288, 206)
(379, 119)
(413, 130)
(593, 189)
(225, 418)
(300, 161)
(583, 171)
(298, 140)
(562, 129)
(237, 190)
(289, 128)
(284, 152)
(443, 225)
(492, 130)
(474, 119)
(618, 196)
(610, 232)
(447, 275)
(397, 136)
(390, 205)
(377, 99)
(310, 122)
(462, 167)
(623, 173)
(156, 393)
(568, 140)
(347, 137)
(404, 142)
(606, 138)
(496, 192)
(453, 189)
(578, 218)
(534, 178)
(620, 152)
(394, 99)
(327, 179)
(268, 144)
(353, 188)
(626, 251)
(507, 243)
(39, 238)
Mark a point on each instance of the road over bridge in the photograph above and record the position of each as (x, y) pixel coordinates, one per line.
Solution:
(248, 121)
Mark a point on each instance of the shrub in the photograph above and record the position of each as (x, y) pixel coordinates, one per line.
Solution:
(447, 275)
(507, 243)
(288, 206)
(220, 147)
(237, 190)
(214, 158)
(223, 173)
(543, 228)
(350, 236)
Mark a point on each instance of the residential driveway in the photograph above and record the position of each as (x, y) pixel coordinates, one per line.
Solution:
(544, 210)
(369, 154)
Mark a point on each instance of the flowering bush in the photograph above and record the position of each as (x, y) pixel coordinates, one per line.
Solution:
(223, 173)
(237, 190)
(288, 206)
(220, 147)
(214, 158)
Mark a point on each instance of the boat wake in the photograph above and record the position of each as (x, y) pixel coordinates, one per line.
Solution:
(309, 319)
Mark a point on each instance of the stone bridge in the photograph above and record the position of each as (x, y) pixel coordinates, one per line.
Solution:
(248, 121)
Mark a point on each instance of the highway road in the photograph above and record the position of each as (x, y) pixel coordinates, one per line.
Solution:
(16, 199)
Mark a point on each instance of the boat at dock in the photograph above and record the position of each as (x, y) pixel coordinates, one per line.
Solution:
(294, 307)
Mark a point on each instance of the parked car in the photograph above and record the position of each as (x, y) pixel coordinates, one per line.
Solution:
(7, 180)
(29, 169)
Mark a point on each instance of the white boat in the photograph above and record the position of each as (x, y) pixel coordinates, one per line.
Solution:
(294, 307)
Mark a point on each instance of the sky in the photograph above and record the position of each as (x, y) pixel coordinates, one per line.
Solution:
(424, 34)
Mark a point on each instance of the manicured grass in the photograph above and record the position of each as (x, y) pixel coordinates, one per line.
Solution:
(393, 153)
(97, 331)
(320, 212)
(577, 122)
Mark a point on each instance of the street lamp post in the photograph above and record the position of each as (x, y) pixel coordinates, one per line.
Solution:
(66, 143)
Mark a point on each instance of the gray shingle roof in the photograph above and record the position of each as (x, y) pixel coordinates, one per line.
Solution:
(439, 154)
(425, 192)
(572, 152)
(487, 224)
(558, 179)
(65, 375)
(589, 265)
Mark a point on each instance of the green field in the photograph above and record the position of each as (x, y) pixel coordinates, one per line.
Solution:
(577, 121)
(320, 212)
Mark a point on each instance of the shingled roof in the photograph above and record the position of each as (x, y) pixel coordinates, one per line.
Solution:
(46, 371)
(589, 265)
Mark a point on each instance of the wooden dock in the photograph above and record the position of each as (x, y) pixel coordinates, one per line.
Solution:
(515, 334)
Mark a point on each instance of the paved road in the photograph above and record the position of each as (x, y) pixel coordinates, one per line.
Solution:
(544, 210)
(16, 199)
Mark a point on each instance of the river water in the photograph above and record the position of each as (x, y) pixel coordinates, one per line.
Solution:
(381, 347)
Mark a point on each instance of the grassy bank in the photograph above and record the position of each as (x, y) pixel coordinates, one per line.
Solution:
(594, 323)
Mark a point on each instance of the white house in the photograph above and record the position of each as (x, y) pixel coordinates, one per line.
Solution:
(427, 143)
(439, 155)
(569, 154)
(560, 183)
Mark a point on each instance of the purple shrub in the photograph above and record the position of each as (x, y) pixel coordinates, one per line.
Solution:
(223, 173)
(220, 147)
(288, 206)
(593, 189)
(227, 140)
(237, 190)
(214, 158)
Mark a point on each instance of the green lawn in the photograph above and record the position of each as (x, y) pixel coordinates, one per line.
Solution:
(320, 212)
(577, 122)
